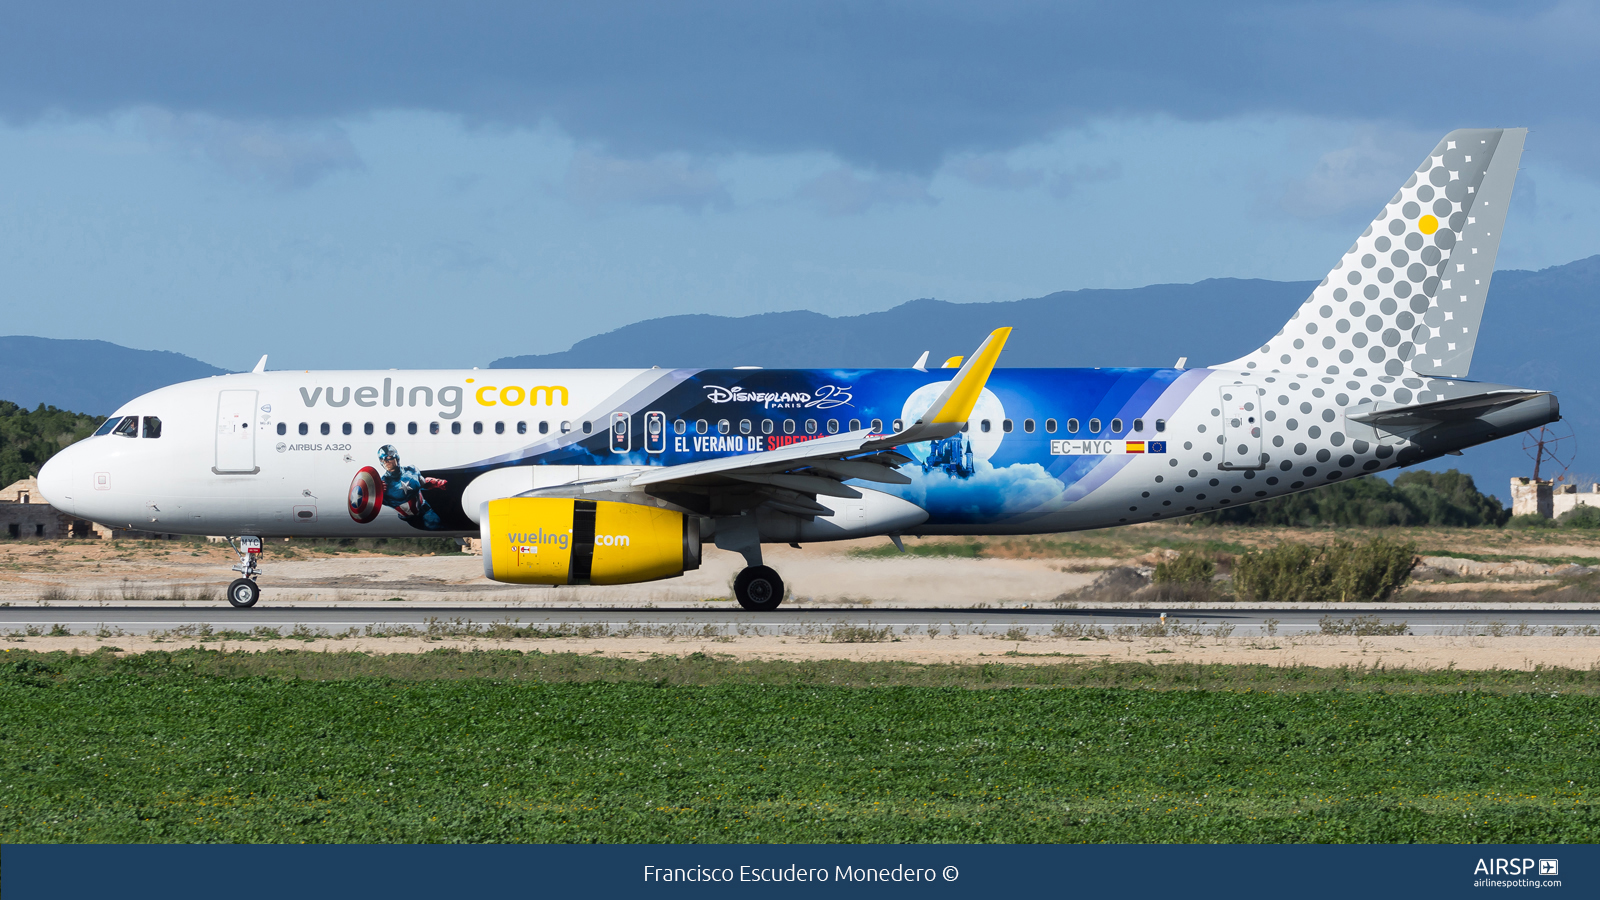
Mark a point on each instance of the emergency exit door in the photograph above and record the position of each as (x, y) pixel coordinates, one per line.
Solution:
(236, 438)
(655, 432)
(621, 432)
(1242, 425)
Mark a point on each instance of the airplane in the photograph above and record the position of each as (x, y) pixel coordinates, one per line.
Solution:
(616, 476)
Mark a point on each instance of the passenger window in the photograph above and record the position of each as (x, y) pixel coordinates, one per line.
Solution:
(1161, 425)
(305, 428)
(788, 426)
(566, 427)
(745, 427)
(811, 426)
(588, 427)
(283, 428)
(345, 428)
(128, 427)
(877, 426)
(766, 426)
(544, 427)
(724, 426)
(499, 428)
(388, 428)
(1049, 426)
(411, 428)
(1027, 426)
(855, 424)
(1094, 426)
(1138, 425)
(455, 427)
(1005, 425)
(898, 426)
(367, 428)
(477, 428)
(984, 426)
(152, 427)
(522, 428)
(1116, 426)
(966, 427)
(680, 427)
(433, 427)
(833, 426)
(1072, 426)
(326, 428)
(701, 427)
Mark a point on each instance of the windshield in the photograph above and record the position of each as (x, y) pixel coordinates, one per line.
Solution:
(106, 426)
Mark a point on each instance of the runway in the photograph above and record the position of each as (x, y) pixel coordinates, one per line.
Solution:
(1243, 621)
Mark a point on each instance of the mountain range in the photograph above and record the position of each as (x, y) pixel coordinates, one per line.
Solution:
(1535, 334)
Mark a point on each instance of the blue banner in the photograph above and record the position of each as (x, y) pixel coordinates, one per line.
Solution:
(245, 872)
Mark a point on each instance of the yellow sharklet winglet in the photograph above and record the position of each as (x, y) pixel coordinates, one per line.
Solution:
(956, 403)
(953, 362)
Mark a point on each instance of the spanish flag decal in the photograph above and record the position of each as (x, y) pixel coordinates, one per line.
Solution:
(1135, 446)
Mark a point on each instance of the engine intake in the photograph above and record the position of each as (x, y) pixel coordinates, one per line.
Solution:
(556, 540)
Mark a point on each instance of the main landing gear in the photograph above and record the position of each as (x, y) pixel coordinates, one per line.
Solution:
(244, 592)
(758, 588)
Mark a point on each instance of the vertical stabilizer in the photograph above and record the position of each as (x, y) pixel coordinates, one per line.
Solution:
(1408, 295)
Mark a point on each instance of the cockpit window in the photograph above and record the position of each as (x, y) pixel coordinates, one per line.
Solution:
(128, 427)
(107, 425)
(152, 427)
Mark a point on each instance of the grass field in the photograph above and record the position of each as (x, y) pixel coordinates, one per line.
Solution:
(210, 746)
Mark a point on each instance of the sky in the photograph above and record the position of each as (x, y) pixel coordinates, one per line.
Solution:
(414, 185)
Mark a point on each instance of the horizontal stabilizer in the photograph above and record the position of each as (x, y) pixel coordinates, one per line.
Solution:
(1454, 410)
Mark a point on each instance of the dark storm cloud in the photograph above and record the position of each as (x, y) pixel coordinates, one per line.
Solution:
(887, 86)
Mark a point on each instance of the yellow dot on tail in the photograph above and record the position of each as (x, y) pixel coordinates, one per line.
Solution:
(1427, 224)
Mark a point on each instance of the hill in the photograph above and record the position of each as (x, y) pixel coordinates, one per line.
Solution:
(93, 377)
(1151, 326)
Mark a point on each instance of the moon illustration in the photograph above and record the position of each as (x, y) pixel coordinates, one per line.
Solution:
(988, 407)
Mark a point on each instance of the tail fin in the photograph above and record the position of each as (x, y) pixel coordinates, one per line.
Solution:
(1408, 295)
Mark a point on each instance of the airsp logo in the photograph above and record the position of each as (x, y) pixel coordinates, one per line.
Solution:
(282, 446)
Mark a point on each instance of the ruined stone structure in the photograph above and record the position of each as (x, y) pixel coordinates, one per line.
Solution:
(1550, 500)
(24, 514)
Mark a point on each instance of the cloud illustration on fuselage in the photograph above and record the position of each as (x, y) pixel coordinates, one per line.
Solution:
(990, 493)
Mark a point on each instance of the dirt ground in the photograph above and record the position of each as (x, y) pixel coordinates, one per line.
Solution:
(980, 572)
(1411, 652)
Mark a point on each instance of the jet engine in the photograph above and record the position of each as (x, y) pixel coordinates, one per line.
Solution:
(559, 540)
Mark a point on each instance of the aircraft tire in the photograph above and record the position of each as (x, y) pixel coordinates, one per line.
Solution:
(758, 589)
(243, 593)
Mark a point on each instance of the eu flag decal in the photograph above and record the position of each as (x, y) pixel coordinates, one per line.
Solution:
(1156, 447)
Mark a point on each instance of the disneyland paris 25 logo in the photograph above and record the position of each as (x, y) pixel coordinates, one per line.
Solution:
(827, 396)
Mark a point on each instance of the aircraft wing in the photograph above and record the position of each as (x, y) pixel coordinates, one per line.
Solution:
(790, 478)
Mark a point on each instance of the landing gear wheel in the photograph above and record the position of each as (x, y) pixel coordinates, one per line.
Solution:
(759, 589)
(243, 593)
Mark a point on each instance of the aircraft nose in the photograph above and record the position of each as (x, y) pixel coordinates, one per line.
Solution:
(55, 481)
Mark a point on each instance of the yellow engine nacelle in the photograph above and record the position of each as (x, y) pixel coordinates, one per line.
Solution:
(555, 540)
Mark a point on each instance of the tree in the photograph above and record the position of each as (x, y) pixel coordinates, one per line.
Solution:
(29, 437)
(1415, 498)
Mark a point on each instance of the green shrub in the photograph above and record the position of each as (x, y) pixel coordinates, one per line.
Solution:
(1343, 571)
(1370, 571)
(1530, 520)
(1580, 517)
(1188, 568)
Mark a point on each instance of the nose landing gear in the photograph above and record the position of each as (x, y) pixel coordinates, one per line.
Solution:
(244, 592)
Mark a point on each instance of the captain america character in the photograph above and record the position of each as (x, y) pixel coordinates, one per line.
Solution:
(402, 490)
